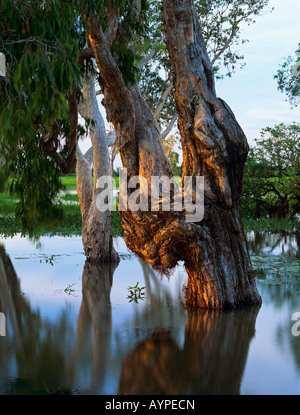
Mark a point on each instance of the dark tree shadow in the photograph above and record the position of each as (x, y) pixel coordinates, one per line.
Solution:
(212, 360)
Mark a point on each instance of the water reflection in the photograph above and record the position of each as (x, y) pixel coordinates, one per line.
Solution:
(274, 243)
(109, 346)
(94, 320)
(31, 357)
(211, 361)
(49, 357)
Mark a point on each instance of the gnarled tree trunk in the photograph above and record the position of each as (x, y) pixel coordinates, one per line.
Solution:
(214, 250)
(214, 146)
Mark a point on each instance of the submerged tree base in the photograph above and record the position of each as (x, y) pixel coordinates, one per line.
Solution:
(214, 252)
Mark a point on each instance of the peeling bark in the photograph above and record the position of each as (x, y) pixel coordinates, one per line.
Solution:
(138, 135)
(214, 146)
(96, 234)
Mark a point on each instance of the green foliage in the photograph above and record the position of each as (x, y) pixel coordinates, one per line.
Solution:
(133, 28)
(169, 143)
(70, 223)
(136, 293)
(69, 182)
(126, 61)
(288, 78)
(41, 43)
(221, 25)
(271, 225)
(272, 174)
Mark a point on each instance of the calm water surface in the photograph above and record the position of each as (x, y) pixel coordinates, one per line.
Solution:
(77, 328)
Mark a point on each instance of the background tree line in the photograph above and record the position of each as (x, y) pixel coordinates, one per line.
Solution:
(272, 174)
(272, 171)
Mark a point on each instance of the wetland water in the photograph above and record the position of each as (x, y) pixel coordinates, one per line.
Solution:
(77, 328)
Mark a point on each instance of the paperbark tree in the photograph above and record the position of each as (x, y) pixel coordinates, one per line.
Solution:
(214, 250)
(40, 130)
(214, 146)
(221, 22)
(96, 232)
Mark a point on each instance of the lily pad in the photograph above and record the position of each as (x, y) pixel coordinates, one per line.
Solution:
(277, 264)
(277, 269)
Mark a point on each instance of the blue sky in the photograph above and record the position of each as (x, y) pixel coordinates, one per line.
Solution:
(252, 91)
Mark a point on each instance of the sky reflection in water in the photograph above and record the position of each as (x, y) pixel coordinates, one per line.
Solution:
(70, 325)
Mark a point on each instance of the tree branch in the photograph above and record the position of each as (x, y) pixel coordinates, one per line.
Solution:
(67, 165)
(163, 98)
(111, 26)
(84, 54)
(167, 131)
(147, 58)
(117, 97)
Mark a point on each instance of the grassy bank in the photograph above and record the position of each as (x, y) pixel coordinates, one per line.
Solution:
(70, 182)
(271, 225)
(71, 223)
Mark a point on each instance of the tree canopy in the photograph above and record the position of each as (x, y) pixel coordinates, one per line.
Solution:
(272, 174)
(288, 78)
(46, 43)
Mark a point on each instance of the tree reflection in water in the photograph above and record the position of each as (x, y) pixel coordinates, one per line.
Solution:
(211, 361)
(32, 355)
(94, 320)
(50, 355)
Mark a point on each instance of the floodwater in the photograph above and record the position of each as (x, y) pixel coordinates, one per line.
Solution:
(76, 328)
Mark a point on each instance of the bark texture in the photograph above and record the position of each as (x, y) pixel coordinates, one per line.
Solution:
(96, 234)
(214, 146)
(138, 135)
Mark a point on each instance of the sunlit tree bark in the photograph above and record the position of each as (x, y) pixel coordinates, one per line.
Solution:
(214, 146)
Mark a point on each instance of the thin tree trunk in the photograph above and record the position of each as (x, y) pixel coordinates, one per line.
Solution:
(96, 233)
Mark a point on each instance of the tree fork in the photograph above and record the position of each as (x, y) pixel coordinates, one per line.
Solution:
(214, 251)
(214, 146)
